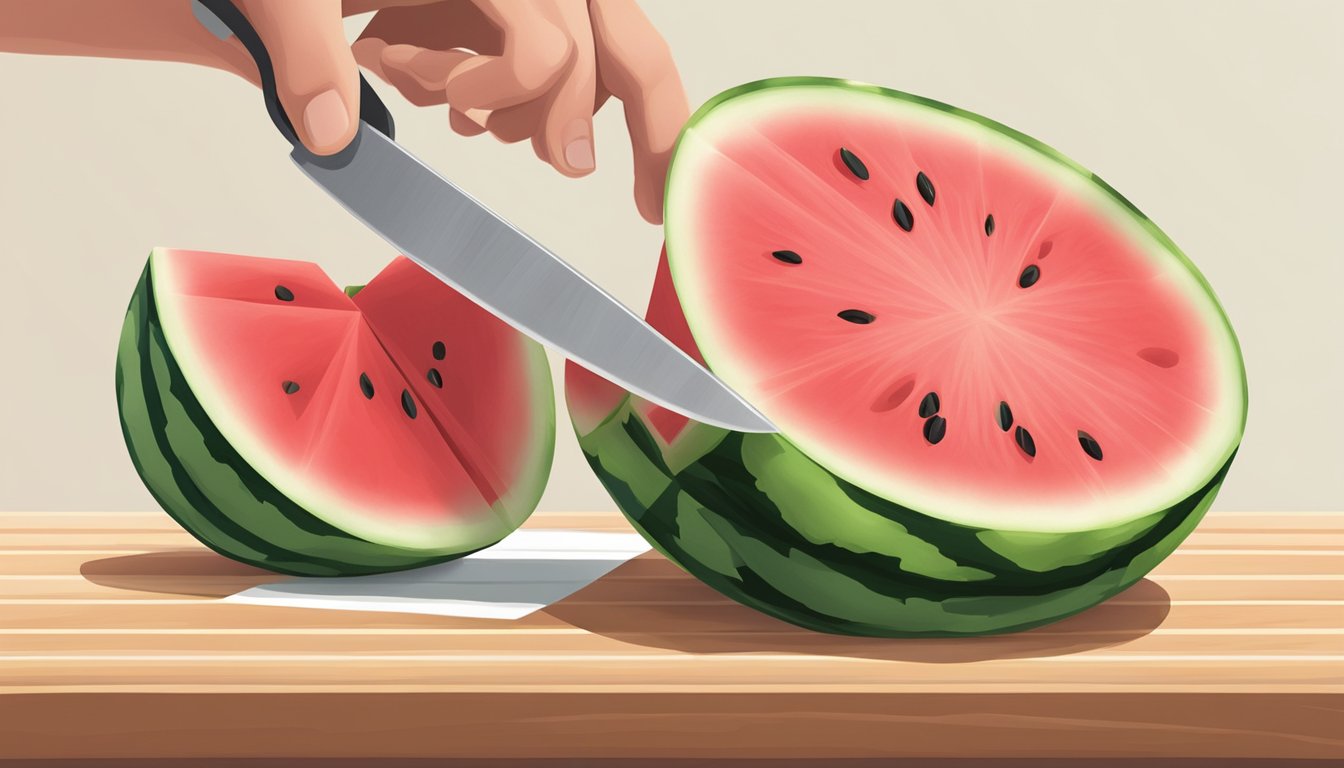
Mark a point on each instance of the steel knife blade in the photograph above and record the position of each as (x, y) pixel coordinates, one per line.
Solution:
(473, 249)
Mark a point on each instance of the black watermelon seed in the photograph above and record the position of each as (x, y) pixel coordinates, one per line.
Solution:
(934, 429)
(1029, 276)
(925, 188)
(856, 316)
(407, 404)
(1005, 416)
(1025, 442)
(904, 218)
(284, 294)
(989, 225)
(788, 257)
(365, 385)
(1090, 445)
(929, 405)
(854, 164)
(439, 350)
(435, 378)
(290, 387)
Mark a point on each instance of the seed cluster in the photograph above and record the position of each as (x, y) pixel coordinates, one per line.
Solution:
(439, 350)
(935, 426)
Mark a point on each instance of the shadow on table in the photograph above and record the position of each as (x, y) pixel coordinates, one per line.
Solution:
(196, 572)
(651, 602)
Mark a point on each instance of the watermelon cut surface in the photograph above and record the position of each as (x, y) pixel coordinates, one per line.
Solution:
(289, 425)
(1003, 393)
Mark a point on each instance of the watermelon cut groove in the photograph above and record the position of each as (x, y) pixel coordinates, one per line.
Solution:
(293, 426)
(1003, 393)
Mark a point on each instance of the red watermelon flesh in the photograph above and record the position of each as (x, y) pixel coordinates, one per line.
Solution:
(332, 399)
(851, 263)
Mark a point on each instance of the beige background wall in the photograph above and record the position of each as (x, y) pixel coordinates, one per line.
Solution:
(1222, 120)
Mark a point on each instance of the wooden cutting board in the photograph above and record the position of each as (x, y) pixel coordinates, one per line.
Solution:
(114, 644)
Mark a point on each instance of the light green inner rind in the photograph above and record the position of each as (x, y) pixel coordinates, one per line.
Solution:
(1225, 433)
(762, 523)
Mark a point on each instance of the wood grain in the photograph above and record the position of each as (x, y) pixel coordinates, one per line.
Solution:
(114, 644)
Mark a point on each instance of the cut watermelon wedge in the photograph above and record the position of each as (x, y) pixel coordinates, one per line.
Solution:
(288, 425)
(1003, 393)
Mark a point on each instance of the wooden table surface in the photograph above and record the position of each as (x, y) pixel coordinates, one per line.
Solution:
(113, 644)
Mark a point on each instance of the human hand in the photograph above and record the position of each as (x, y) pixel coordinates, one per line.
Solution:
(541, 68)
(535, 69)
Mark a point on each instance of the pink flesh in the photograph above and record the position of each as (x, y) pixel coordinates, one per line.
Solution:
(591, 398)
(485, 367)
(1100, 343)
(665, 315)
(367, 451)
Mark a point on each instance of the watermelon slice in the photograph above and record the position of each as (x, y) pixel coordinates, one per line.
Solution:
(290, 426)
(1004, 395)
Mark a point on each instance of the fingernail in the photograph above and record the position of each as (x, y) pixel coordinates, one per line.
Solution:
(578, 145)
(325, 119)
(579, 154)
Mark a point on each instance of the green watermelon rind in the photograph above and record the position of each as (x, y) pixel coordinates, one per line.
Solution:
(1233, 362)
(755, 518)
(715, 519)
(198, 478)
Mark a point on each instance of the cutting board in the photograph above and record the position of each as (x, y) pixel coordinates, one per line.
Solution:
(114, 644)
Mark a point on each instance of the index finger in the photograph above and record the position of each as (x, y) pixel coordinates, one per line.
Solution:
(635, 64)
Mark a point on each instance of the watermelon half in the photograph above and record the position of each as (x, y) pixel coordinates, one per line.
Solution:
(288, 425)
(1004, 395)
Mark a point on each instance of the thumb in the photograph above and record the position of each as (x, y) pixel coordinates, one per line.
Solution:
(315, 72)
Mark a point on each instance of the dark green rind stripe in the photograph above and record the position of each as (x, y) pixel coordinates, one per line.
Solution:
(204, 476)
(164, 481)
(265, 536)
(196, 511)
(306, 543)
(713, 519)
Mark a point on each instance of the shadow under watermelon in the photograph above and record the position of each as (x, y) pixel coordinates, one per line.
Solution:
(197, 572)
(651, 602)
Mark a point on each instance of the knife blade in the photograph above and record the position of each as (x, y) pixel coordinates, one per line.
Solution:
(477, 252)
(470, 247)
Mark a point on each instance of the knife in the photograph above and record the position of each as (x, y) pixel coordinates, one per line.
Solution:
(474, 250)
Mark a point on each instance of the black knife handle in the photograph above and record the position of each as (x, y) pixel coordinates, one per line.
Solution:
(372, 110)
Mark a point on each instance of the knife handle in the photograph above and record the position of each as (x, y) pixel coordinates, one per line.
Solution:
(372, 110)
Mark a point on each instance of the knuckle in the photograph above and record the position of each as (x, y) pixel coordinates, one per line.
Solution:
(537, 63)
(648, 63)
